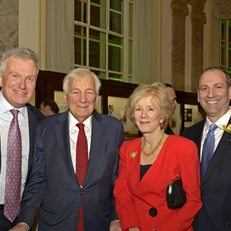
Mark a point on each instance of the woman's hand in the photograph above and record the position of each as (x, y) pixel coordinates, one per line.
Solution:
(115, 226)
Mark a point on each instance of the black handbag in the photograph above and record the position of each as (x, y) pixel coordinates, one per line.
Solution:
(175, 194)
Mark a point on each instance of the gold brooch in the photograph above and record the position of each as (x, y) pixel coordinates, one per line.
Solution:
(133, 154)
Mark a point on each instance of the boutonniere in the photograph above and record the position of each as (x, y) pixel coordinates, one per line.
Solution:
(133, 154)
(227, 128)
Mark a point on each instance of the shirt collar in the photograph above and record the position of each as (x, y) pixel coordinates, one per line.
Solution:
(223, 120)
(73, 121)
(6, 106)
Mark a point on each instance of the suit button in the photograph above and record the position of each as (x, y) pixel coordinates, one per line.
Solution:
(152, 212)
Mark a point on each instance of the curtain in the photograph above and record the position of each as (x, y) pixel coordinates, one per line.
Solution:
(59, 35)
(222, 9)
(144, 41)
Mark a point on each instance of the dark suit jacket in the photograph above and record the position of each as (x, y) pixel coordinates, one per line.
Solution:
(215, 214)
(53, 185)
(34, 116)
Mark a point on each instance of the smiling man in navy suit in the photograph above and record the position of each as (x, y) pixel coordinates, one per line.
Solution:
(53, 186)
(214, 94)
(18, 76)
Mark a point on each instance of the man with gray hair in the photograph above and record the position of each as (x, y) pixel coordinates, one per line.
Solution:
(75, 164)
(18, 75)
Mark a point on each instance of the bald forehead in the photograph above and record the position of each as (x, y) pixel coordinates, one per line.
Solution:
(213, 74)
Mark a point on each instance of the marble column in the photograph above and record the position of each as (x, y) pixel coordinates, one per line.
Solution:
(198, 18)
(8, 24)
(179, 13)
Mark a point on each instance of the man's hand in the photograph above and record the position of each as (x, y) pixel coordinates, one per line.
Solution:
(115, 226)
(20, 227)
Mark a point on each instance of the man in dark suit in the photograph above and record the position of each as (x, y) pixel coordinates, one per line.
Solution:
(18, 75)
(54, 186)
(214, 94)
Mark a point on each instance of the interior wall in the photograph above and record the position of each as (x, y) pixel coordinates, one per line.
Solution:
(32, 20)
(165, 42)
(29, 21)
(8, 24)
(211, 38)
(188, 52)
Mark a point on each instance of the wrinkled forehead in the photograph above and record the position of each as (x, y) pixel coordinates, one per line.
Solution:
(82, 82)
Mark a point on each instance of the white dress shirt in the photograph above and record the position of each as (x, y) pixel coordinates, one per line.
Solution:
(223, 120)
(5, 120)
(74, 131)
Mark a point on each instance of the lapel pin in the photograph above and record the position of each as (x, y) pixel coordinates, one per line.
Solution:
(133, 154)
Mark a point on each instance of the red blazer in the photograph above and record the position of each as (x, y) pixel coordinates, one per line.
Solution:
(135, 198)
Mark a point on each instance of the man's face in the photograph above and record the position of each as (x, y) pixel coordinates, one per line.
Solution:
(172, 96)
(214, 94)
(18, 81)
(81, 97)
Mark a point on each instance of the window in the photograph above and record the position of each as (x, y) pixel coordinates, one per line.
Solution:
(103, 37)
(225, 45)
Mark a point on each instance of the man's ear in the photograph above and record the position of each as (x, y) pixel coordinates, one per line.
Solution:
(65, 97)
(1, 81)
(198, 100)
(230, 92)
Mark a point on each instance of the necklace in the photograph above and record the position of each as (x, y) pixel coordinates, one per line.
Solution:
(154, 149)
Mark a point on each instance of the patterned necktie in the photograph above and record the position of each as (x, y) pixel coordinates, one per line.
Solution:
(13, 169)
(208, 149)
(81, 167)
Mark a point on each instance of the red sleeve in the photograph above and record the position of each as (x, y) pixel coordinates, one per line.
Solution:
(123, 199)
(188, 163)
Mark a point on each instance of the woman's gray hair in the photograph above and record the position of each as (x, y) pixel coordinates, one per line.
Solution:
(79, 73)
(19, 53)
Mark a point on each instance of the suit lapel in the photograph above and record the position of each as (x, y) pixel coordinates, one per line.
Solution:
(32, 124)
(95, 151)
(222, 149)
(135, 166)
(63, 143)
(198, 135)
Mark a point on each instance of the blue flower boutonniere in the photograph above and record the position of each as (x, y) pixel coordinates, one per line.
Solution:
(133, 154)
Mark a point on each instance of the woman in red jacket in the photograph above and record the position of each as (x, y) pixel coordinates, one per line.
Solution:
(149, 164)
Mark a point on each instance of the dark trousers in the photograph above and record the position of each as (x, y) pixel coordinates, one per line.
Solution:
(5, 224)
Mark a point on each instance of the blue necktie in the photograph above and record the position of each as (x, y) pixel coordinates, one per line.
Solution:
(208, 149)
